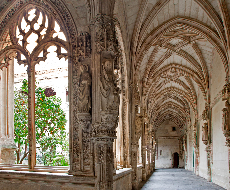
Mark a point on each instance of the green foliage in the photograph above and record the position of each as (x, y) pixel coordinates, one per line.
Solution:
(50, 122)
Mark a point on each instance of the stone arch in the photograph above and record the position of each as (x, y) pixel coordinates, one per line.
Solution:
(78, 46)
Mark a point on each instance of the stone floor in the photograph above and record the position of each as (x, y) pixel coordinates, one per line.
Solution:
(177, 179)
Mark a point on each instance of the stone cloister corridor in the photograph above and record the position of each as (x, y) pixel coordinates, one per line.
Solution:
(177, 179)
(148, 90)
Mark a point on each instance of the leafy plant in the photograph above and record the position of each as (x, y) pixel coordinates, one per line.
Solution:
(50, 122)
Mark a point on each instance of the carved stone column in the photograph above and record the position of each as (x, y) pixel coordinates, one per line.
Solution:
(105, 93)
(7, 110)
(81, 151)
(196, 147)
(206, 137)
(226, 117)
(226, 113)
(3, 103)
(126, 135)
(134, 165)
(148, 152)
(144, 150)
(153, 150)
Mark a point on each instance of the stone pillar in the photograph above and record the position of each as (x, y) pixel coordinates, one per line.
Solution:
(206, 138)
(143, 152)
(148, 153)
(134, 165)
(31, 116)
(10, 129)
(80, 131)
(0, 99)
(7, 114)
(105, 93)
(4, 103)
(196, 147)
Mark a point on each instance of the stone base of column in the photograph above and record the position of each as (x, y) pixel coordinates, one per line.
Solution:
(7, 148)
(144, 175)
(8, 156)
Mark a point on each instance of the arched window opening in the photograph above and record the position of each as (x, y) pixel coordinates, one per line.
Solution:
(52, 110)
(21, 113)
(36, 93)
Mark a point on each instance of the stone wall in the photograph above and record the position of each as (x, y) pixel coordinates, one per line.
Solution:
(123, 179)
(167, 144)
(220, 169)
(166, 148)
(38, 181)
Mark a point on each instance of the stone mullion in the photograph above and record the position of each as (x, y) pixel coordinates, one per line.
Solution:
(31, 116)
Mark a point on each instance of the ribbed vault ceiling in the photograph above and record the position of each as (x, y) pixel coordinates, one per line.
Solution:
(173, 43)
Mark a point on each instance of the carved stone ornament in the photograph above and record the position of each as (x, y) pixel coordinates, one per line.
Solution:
(205, 114)
(81, 144)
(226, 113)
(195, 133)
(105, 34)
(205, 133)
(83, 48)
(226, 123)
(226, 92)
(107, 126)
(84, 89)
(108, 84)
(138, 125)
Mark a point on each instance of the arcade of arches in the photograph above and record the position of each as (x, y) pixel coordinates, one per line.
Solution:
(148, 87)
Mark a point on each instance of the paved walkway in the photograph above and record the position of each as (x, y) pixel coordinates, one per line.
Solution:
(177, 179)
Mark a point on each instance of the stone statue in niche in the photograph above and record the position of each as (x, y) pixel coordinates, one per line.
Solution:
(225, 110)
(205, 133)
(108, 86)
(84, 99)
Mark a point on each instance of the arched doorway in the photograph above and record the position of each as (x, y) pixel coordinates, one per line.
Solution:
(175, 160)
